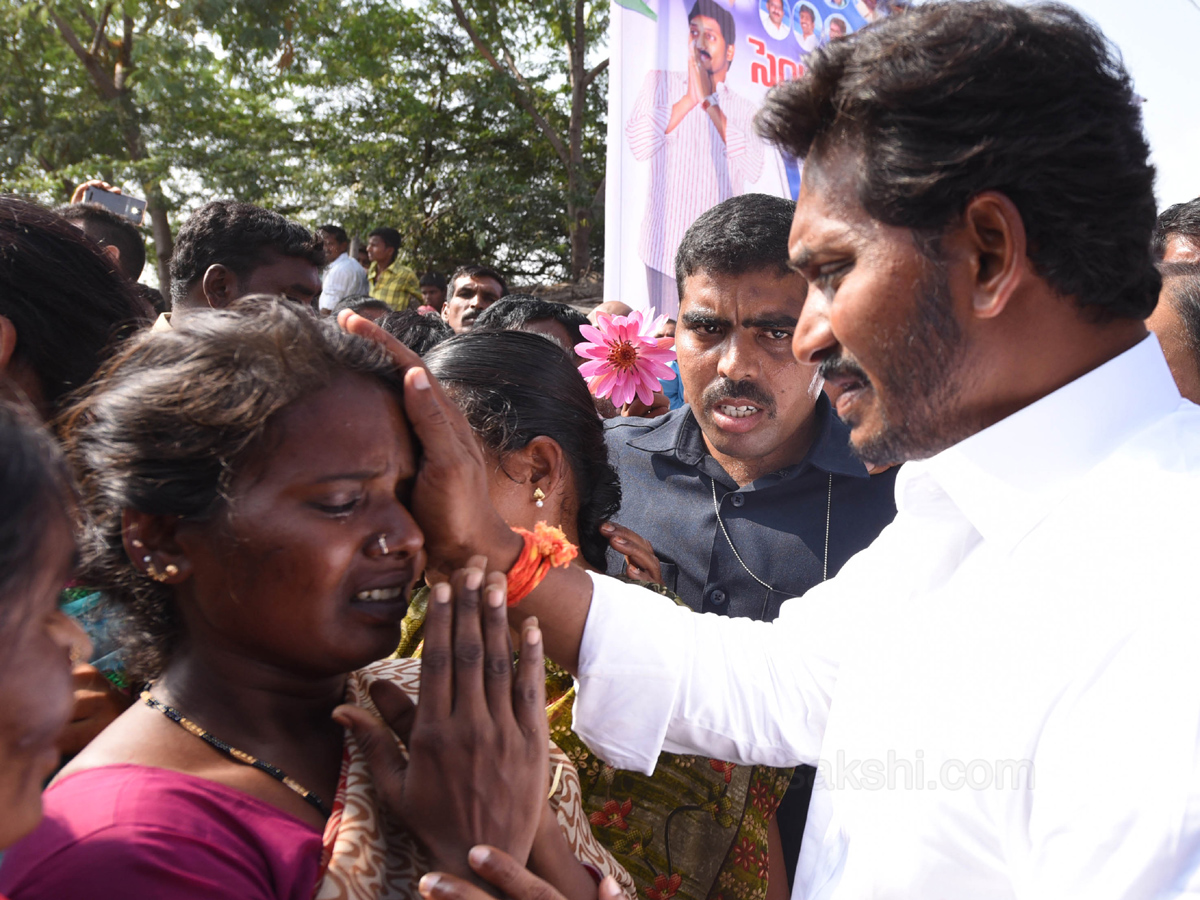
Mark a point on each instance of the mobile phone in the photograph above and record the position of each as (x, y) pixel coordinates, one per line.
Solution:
(122, 204)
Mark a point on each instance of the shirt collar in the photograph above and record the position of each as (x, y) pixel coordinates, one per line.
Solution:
(678, 434)
(1006, 478)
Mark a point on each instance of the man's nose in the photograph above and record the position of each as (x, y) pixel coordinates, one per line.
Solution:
(738, 362)
(813, 339)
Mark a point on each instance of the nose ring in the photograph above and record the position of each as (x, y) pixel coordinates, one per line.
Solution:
(382, 542)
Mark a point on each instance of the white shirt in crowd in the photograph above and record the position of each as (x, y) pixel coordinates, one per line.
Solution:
(1001, 694)
(779, 32)
(343, 278)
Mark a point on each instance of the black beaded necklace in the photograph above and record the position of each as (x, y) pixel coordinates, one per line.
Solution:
(235, 754)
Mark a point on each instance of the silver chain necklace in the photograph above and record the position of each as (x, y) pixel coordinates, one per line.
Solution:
(738, 556)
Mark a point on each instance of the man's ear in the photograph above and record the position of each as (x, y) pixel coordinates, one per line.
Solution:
(995, 238)
(18, 380)
(219, 286)
(113, 253)
(153, 548)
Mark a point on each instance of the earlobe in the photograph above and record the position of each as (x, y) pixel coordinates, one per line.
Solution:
(996, 235)
(8, 343)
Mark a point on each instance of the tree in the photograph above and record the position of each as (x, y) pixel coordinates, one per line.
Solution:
(496, 28)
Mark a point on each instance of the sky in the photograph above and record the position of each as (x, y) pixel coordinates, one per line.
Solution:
(1160, 42)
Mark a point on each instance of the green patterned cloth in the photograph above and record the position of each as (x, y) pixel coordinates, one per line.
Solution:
(694, 830)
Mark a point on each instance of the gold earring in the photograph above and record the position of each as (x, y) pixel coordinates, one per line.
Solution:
(539, 497)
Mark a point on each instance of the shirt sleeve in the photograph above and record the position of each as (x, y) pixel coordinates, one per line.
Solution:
(654, 676)
(647, 124)
(743, 147)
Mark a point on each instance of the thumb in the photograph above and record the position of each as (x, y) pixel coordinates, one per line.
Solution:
(385, 760)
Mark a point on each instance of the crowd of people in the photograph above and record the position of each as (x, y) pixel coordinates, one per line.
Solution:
(319, 579)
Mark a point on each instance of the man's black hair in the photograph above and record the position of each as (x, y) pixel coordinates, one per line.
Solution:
(1182, 218)
(107, 228)
(474, 271)
(952, 99)
(1181, 291)
(240, 237)
(419, 332)
(336, 231)
(389, 236)
(65, 299)
(713, 10)
(747, 233)
(355, 304)
(434, 279)
(516, 310)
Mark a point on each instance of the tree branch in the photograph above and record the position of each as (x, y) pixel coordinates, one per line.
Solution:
(98, 30)
(100, 78)
(87, 17)
(520, 92)
(593, 73)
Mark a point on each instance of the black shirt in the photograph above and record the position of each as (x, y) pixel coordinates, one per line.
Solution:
(777, 523)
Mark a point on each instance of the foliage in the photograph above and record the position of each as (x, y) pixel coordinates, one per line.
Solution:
(364, 113)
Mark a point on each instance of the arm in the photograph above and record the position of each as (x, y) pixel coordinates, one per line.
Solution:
(506, 874)
(646, 126)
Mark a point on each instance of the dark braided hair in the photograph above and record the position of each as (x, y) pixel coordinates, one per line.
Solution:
(514, 386)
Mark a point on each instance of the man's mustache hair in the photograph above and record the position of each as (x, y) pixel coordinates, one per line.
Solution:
(838, 366)
(743, 390)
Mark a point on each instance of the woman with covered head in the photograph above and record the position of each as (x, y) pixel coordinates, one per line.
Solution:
(697, 827)
(245, 478)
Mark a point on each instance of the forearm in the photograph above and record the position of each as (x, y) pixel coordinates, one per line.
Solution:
(561, 603)
(552, 860)
(682, 107)
(718, 119)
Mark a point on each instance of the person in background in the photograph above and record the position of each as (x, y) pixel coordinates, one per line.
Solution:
(37, 641)
(367, 307)
(391, 281)
(227, 250)
(1176, 323)
(433, 290)
(751, 494)
(364, 258)
(525, 312)
(419, 332)
(263, 557)
(121, 242)
(473, 289)
(547, 462)
(343, 277)
(672, 389)
(1177, 234)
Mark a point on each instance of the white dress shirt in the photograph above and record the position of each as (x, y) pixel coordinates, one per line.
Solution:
(344, 277)
(1001, 694)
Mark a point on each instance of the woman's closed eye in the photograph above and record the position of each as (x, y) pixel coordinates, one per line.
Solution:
(337, 506)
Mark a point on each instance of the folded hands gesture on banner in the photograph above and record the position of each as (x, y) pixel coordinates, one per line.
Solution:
(701, 86)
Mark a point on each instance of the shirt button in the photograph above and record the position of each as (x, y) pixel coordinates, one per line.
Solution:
(737, 499)
(717, 598)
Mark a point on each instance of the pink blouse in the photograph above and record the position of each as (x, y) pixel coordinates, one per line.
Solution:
(135, 831)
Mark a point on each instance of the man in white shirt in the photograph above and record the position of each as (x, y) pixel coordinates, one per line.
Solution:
(1002, 693)
(772, 20)
(343, 277)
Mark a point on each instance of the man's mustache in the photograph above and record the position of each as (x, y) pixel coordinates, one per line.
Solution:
(840, 367)
(727, 388)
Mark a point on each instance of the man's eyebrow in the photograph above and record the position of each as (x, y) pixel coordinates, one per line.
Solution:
(771, 320)
(703, 317)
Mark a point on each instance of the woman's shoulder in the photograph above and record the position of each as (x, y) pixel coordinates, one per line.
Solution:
(126, 830)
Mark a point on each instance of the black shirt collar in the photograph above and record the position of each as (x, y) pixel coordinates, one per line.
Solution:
(678, 435)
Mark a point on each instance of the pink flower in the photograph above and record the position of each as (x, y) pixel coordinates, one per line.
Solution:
(625, 360)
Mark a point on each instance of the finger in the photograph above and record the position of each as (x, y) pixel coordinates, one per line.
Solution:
(403, 357)
(497, 663)
(437, 664)
(384, 759)
(467, 584)
(499, 869)
(529, 686)
(440, 886)
(396, 708)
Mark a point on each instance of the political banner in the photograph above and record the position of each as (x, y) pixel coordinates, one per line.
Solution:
(686, 80)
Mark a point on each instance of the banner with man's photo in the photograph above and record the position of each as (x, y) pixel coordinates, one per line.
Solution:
(686, 80)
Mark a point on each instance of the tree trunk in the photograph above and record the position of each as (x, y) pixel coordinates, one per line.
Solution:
(164, 242)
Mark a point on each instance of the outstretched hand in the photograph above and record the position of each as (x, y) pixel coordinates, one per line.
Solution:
(450, 497)
(640, 562)
(500, 870)
(478, 761)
